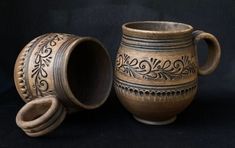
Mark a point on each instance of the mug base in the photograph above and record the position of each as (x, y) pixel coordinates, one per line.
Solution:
(165, 122)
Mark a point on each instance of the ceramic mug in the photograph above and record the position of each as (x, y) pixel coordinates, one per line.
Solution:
(157, 68)
(59, 73)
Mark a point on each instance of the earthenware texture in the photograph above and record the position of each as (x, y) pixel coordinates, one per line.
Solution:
(156, 68)
(59, 73)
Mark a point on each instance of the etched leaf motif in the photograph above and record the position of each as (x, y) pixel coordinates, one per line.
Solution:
(43, 60)
(43, 73)
(133, 62)
(154, 69)
(166, 64)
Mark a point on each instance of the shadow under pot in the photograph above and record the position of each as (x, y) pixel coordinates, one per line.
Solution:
(56, 74)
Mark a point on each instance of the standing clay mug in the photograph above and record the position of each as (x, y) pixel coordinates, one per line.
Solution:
(56, 74)
(157, 68)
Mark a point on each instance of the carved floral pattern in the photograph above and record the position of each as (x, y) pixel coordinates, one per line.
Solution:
(42, 60)
(155, 69)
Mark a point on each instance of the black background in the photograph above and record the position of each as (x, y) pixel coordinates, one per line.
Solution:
(208, 122)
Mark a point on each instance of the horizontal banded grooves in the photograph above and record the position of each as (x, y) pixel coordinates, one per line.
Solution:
(58, 73)
(157, 44)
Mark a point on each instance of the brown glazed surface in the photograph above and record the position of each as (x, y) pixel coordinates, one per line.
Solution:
(157, 68)
(76, 71)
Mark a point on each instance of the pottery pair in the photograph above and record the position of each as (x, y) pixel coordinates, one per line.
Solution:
(155, 75)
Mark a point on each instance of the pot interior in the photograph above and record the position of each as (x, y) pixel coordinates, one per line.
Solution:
(89, 73)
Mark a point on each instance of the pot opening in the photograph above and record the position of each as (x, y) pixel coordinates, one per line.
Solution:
(163, 27)
(89, 73)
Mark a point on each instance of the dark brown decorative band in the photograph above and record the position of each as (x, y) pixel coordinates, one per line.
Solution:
(23, 67)
(155, 69)
(162, 93)
(156, 44)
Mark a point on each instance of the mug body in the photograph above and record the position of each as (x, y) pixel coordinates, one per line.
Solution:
(156, 70)
(77, 70)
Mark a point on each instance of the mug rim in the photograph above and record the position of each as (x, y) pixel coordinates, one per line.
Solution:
(131, 30)
(69, 92)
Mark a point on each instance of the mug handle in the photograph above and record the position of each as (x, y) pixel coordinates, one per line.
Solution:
(214, 51)
(40, 116)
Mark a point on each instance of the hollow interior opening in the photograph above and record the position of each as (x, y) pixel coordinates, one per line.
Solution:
(89, 72)
(36, 110)
(159, 26)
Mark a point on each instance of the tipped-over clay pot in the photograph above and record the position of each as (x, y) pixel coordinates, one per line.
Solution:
(56, 74)
(157, 68)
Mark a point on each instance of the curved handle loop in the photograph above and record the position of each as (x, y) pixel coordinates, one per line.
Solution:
(40, 116)
(214, 52)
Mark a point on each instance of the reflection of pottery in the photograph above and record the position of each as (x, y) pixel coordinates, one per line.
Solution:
(58, 73)
(156, 69)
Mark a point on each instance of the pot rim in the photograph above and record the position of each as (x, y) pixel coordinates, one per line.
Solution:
(132, 31)
(69, 92)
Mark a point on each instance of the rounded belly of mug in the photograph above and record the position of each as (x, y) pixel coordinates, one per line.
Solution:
(155, 85)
